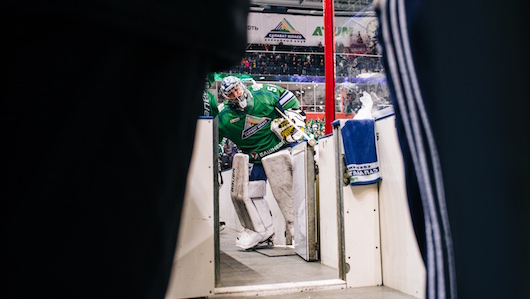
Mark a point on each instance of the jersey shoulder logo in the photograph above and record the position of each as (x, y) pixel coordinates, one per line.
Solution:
(254, 124)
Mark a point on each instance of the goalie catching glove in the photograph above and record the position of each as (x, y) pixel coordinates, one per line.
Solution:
(285, 130)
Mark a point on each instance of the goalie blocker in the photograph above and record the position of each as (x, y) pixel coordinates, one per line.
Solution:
(290, 127)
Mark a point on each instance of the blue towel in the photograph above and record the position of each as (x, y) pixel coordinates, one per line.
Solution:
(360, 152)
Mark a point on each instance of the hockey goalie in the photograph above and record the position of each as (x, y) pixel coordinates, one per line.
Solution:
(249, 117)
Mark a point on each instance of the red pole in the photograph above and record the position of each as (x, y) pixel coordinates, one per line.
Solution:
(329, 62)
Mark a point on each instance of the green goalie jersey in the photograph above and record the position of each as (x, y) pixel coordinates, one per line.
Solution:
(250, 129)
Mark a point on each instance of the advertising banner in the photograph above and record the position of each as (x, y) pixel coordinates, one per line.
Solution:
(355, 32)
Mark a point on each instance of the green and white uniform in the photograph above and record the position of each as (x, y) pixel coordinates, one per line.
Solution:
(209, 104)
(250, 128)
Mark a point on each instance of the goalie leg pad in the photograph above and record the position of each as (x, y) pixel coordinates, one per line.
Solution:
(257, 192)
(279, 170)
(252, 209)
(239, 188)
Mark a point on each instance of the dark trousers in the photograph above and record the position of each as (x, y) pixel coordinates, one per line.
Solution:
(98, 113)
(458, 76)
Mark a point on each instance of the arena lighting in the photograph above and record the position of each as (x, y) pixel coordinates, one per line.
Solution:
(288, 3)
(258, 9)
(341, 8)
(305, 12)
(346, 13)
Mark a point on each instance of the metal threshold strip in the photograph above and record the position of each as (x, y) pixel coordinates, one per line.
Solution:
(281, 288)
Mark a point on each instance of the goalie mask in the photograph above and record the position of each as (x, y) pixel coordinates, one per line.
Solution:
(235, 91)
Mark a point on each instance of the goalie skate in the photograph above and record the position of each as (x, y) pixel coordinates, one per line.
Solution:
(263, 244)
